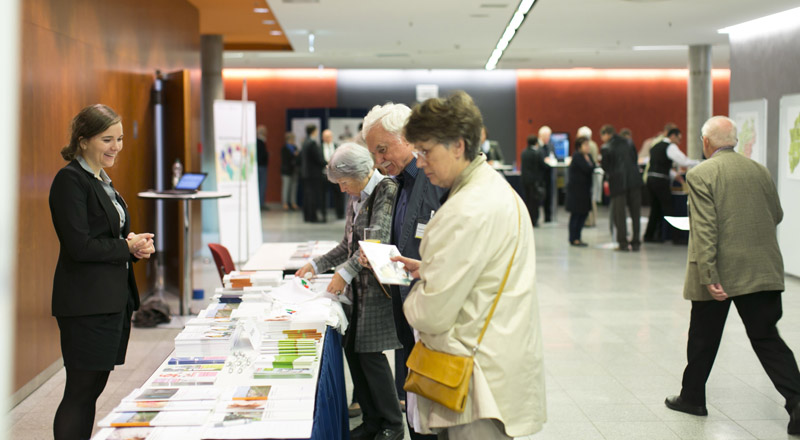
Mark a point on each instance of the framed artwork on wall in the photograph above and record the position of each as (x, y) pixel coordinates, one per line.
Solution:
(751, 120)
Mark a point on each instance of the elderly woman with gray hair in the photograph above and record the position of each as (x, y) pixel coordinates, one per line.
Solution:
(372, 329)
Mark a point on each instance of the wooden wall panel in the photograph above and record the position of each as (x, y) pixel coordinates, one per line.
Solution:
(275, 91)
(77, 53)
(643, 103)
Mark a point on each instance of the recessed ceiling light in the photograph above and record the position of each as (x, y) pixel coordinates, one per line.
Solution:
(267, 21)
(260, 10)
(275, 33)
(232, 55)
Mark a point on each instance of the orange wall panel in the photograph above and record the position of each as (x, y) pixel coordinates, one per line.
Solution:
(642, 101)
(275, 91)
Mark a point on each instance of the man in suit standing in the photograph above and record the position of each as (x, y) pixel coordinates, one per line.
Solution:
(312, 171)
(624, 184)
(417, 201)
(532, 174)
(546, 151)
(734, 256)
(337, 196)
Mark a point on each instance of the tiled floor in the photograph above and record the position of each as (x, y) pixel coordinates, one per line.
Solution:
(614, 329)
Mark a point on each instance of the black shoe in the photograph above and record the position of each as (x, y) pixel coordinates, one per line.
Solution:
(621, 248)
(635, 247)
(354, 410)
(794, 421)
(676, 403)
(389, 434)
(361, 432)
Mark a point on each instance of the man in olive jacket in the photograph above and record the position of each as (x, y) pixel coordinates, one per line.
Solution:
(734, 210)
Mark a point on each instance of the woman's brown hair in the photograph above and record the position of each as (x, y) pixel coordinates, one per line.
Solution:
(88, 123)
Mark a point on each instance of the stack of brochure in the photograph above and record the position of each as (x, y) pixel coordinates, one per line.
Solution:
(212, 340)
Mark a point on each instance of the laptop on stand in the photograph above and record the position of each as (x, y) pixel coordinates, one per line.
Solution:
(189, 183)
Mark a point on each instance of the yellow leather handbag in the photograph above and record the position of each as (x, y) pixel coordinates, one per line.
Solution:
(442, 377)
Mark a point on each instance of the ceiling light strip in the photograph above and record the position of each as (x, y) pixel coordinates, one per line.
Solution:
(509, 33)
(772, 22)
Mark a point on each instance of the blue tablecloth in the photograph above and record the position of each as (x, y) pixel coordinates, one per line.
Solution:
(331, 421)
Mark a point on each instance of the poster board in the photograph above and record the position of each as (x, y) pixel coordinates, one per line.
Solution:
(789, 182)
(751, 121)
(344, 129)
(299, 129)
(235, 159)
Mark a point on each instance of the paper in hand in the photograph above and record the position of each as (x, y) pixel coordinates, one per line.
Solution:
(386, 270)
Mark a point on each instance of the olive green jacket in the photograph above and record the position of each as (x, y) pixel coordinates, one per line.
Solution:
(734, 210)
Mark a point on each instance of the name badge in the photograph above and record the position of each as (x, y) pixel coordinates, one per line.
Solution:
(420, 230)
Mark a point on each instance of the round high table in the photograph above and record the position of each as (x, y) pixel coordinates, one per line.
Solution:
(186, 296)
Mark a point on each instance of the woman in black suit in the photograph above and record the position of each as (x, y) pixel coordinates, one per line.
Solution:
(579, 190)
(94, 290)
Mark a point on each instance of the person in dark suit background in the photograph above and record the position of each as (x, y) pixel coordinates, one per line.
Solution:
(417, 202)
(262, 158)
(336, 196)
(579, 189)
(533, 173)
(624, 184)
(312, 164)
(547, 153)
(289, 172)
(94, 289)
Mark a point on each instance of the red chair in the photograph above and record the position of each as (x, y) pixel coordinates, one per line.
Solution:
(222, 258)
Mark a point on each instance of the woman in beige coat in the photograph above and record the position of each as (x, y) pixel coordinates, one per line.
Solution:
(465, 251)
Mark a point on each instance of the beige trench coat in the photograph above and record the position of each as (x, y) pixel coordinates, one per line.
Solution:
(465, 251)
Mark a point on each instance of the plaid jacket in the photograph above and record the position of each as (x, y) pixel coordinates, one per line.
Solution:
(374, 326)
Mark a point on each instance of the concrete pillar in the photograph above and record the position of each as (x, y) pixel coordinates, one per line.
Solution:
(212, 88)
(700, 98)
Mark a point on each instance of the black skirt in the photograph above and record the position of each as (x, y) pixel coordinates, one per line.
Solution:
(95, 342)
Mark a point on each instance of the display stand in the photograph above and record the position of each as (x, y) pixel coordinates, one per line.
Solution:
(186, 295)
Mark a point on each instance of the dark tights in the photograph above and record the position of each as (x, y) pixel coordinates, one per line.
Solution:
(75, 415)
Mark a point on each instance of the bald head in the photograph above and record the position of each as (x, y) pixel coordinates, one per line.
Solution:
(544, 134)
(327, 136)
(718, 132)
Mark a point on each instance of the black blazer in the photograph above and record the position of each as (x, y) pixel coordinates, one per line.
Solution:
(312, 161)
(533, 169)
(579, 184)
(94, 273)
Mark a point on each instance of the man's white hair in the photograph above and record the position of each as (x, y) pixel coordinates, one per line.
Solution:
(545, 129)
(721, 132)
(393, 118)
(585, 132)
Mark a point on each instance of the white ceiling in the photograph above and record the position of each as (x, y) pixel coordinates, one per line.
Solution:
(461, 34)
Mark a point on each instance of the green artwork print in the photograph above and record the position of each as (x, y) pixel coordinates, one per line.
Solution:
(794, 145)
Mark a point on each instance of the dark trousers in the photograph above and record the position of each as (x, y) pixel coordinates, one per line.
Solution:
(760, 313)
(75, 415)
(313, 199)
(631, 198)
(660, 205)
(576, 222)
(531, 202)
(373, 386)
(548, 194)
(262, 187)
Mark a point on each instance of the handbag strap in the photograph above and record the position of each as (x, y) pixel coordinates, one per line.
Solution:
(505, 278)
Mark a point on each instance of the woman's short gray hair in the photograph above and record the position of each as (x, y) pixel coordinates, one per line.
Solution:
(351, 161)
(393, 118)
